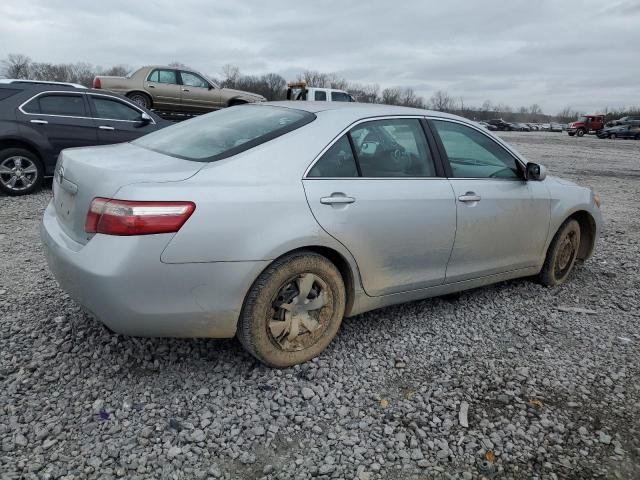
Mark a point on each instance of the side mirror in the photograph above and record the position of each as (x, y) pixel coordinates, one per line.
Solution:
(536, 172)
(145, 119)
(210, 87)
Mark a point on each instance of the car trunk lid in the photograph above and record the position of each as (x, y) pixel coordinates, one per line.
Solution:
(85, 173)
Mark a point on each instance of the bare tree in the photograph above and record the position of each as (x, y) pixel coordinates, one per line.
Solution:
(441, 101)
(230, 76)
(391, 96)
(17, 66)
(535, 109)
(117, 71)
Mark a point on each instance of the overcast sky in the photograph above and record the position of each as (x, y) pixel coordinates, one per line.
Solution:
(585, 54)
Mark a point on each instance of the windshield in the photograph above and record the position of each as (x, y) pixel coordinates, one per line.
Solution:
(582, 119)
(225, 133)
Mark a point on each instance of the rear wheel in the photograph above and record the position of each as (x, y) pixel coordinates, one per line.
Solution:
(562, 254)
(580, 133)
(21, 172)
(141, 99)
(612, 136)
(293, 310)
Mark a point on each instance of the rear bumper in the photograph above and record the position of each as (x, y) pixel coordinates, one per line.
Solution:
(123, 283)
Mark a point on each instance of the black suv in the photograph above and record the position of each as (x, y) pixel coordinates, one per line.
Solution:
(39, 120)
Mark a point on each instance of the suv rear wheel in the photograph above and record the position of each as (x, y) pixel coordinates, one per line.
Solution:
(21, 172)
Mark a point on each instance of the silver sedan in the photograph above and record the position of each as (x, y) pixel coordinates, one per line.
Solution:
(272, 222)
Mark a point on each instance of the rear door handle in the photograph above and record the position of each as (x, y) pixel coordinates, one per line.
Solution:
(39, 122)
(185, 89)
(470, 197)
(106, 127)
(335, 200)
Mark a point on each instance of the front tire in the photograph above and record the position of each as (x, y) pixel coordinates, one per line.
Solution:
(580, 133)
(612, 136)
(293, 310)
(562, 253)
(21, 172)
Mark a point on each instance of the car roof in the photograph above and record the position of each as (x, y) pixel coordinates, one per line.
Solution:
(20, 81)
(356, 109)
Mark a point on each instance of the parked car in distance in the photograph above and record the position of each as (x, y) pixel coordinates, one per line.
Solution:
(17, 81)
(621, 131)
(488, 126)
(624, 120)
(521, 127)
(174, 89)
(382, 204)
(300, 91)
(555, 127)
(37, 121)
(586, 124)
(500, 124)
(534, 127)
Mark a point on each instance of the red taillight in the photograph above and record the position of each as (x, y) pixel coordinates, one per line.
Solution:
(124, 217)
(96, 83)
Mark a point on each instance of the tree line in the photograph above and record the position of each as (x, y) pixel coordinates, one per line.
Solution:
(274, 87)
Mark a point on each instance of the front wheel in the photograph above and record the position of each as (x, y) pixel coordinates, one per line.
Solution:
(612, 136)
(21, 172)
(561, 255)
(293, 310)
(580, 133)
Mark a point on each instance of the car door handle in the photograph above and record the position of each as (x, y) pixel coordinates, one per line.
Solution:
(335, 200)
(185, 89)
(151, 86)
(39, 122)
(106, 127)
(470, 197)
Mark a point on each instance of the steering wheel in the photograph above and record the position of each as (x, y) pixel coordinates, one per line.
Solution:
(495, 174)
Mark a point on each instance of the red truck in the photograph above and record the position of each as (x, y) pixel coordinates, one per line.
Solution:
(586, 124)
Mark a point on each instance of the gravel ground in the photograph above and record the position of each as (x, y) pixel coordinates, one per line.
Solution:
(550, 376)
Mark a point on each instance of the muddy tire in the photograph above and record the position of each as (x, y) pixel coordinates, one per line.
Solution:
(562, 253)
(293, 310)
(141, 99)
(21, 172)
(580, 133)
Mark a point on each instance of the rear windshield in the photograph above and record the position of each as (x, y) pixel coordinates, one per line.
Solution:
(225, 133)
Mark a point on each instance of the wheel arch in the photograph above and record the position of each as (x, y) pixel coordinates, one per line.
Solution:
(236, 101)
(20, 143)
(588, 232)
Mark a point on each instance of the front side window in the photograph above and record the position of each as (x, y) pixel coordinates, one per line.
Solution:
(393, 148)
(225, 133)
(472, 154)
(111, 109)
(336, 162)
(57, 104)
(163, 76)
(340, 97)
(320, 96)
(193, 80)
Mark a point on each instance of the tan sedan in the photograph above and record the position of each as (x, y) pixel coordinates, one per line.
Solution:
(175, 89)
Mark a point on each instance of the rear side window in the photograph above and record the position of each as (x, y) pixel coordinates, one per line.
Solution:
(393, 148)
(336, 162)
(320, 96)
(340, 97)
(68, 105)
(225, 133)
(111, 109)
(163, 76)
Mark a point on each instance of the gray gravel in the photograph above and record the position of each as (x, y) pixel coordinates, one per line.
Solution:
(549, 377)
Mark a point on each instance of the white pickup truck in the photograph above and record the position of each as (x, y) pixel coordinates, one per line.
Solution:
(300, 91)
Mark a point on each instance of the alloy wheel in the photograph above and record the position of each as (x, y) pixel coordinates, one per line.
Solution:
(18, 173)
(300, 312)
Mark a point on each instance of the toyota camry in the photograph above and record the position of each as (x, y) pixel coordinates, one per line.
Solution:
(272, 222)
